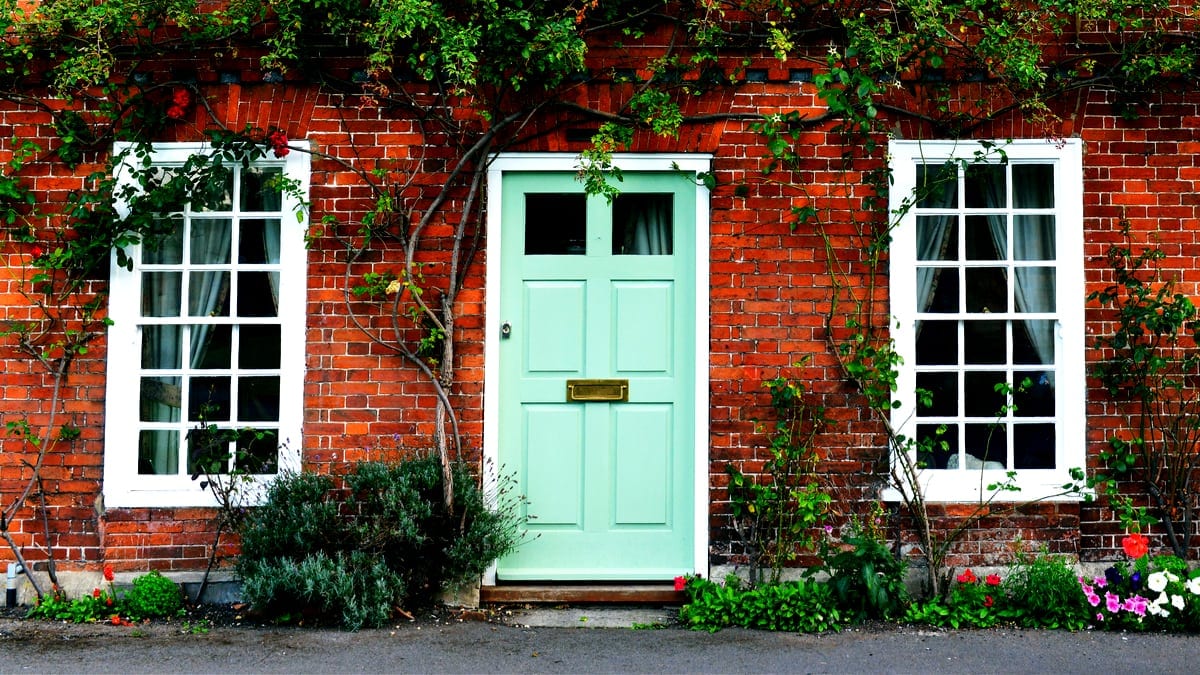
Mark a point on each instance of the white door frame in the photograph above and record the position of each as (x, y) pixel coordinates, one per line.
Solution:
(530, 161)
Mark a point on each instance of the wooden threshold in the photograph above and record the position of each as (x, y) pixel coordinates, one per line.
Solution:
(660, 594)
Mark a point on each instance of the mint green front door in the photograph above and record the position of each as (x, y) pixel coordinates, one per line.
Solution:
(600, 296)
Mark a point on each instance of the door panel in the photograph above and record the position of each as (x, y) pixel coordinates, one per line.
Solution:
(608, 483)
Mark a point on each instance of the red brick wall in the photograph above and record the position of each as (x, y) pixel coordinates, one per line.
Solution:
(770, 290)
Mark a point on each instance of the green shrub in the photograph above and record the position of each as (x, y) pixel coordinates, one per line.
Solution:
(867, 579)
(1043, 592)
(152, 596)
(970, 603)
(384, 539)
(803, 606)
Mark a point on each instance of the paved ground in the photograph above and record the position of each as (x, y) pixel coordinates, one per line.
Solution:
(570, 641)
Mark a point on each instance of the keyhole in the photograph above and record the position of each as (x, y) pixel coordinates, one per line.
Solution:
(506, 330)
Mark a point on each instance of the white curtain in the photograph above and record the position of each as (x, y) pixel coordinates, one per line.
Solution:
(648, 231)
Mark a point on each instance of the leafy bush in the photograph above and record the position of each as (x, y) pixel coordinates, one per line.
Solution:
(971, 603)
(1043, 592)
(385, 539)
(866, 578)
(801, 606)
(84, 609)
(152, 596)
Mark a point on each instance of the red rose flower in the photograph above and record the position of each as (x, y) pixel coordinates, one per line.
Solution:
(967, 577)
(175, 112)
(36, 251)
(1135, 545)
(108, 573)
(987, 601)
(279, 143)
(96, 593)
(680, 583)
(108, 601)
(182, 98)
(992, 580)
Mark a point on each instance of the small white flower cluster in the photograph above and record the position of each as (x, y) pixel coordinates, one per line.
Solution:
(1158, 582)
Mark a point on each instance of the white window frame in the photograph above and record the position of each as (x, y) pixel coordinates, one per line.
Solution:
(123, 485)
(966, 484)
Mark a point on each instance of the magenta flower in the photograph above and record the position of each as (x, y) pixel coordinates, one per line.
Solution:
(1100, 581)
(1113, 602)
(1093, 599)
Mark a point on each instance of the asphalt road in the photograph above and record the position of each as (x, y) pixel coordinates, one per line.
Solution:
(481, 647)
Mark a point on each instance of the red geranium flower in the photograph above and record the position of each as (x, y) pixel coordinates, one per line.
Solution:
(108, 573)
(987, 601)
(992, 580)
(96, 593)
(680, 583)
(1135, 545)
(967, 577)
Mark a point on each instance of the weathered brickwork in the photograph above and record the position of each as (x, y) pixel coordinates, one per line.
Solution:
(770, 292)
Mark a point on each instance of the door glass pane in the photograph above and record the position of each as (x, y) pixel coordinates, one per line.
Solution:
(259, 242)
(643, 224)
(259, 191)
(984, 186)
(161, 293)
(555, 224)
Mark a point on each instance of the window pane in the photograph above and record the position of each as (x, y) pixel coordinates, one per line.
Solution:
(936, 445)
(985, 342)
(943, 389)
(987, 238)
(1035, 399)
(259, 242)
(937, 237)
(1035, 289)
(643, 224)
(162, 347)
(555, 224)
(1033, 186)
(220, 197)
(208, 450)
(937, 343)
(258, 399)
(258, 347)
(165, 248)
(161, 293)
(984, 186)
(987, 446)
(1033, 342)
(982, 399)
(160, 399)
(211, 347)
(210, 241)
(987, 289)
(257, 294)
(260, 191)
(938, 288)
(258, 451)
(158, 452)
(208, 294)
(1033, 446)
(937, 186)
(1033, 237)
(208, 399)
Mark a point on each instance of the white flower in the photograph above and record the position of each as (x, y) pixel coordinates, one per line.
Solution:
(1177, 600)
(1172, 577)
(1154, 609)
(1193, 585)
(1157, 582)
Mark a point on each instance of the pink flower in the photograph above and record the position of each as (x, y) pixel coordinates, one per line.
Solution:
(1093, 599)
(1136, 604)
(1113, 602)
(1099, 616)
(1100, 581)
(680, 583)
(992, 580)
